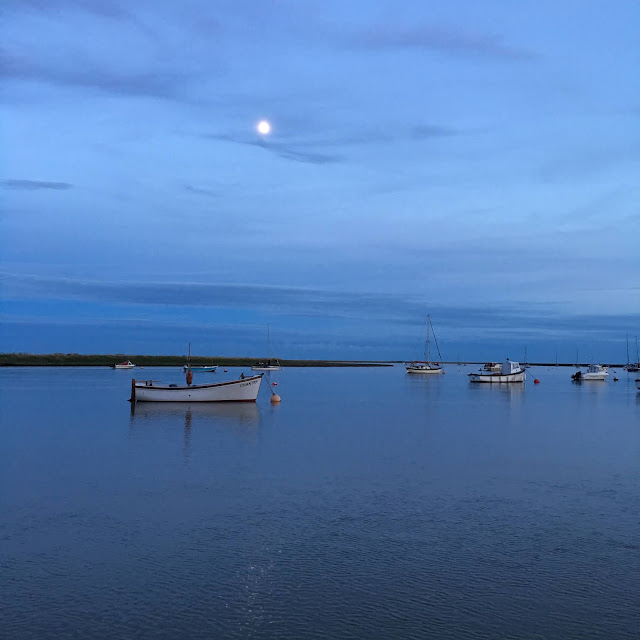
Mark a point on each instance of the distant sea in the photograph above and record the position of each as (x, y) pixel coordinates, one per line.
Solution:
(369, 504)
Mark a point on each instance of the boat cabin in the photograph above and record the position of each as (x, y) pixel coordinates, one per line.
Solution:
(509, 367)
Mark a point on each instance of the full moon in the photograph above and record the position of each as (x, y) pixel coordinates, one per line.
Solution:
(264, 127)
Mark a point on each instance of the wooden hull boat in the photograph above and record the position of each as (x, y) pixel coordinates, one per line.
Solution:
(242, 390)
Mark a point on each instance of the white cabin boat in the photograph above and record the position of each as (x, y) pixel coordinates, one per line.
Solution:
(595, 372)
(127, 364)
(509, 372)
(492, 366)
(208, 368)
(268, 365)
(242, 390)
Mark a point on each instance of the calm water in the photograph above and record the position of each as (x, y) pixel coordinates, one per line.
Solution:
(370, 504)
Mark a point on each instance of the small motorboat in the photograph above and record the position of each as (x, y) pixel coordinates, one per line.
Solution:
(243, 390)
(266, 365)
(509, 372)
(204, 369)
(595, 372)
(127, 364)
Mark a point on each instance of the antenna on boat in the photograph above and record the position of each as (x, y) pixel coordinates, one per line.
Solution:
(189, 372)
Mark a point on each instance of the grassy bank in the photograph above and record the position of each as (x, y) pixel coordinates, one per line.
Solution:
(107, 360)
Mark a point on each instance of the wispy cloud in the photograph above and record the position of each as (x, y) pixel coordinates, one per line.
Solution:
(330, 147)
(34, 185)
(201, 191)
(441, 39)
(156, 83)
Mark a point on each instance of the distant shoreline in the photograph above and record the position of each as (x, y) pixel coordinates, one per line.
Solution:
(108, 360)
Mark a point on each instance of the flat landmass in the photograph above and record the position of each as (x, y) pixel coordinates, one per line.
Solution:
(108, 360)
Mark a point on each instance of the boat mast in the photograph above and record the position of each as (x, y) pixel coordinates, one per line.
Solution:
(628, 348)
(268, 343)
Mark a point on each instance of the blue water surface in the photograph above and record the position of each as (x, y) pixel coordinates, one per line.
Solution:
(369, 504)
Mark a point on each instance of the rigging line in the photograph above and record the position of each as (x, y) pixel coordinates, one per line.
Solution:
(435, 340)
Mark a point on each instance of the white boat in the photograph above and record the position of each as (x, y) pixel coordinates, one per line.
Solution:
(208, 368)
(595, 372)
(426, 366)
(633, 367)
(492, 366)
(269, 364)
(242, 390)
(423, 367)
(127, 364)
(509, 372)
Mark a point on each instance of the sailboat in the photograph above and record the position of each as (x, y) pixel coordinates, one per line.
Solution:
(269, 364)
(630, 365)
(426, 367)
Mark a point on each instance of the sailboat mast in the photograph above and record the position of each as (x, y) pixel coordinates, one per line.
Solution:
(268, 343)
(628, 348)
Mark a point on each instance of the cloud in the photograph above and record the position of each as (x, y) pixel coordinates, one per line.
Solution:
(34, 185)
(318, 149)
(157, 83)
(445, 40)
(397, 309)
(201, 191)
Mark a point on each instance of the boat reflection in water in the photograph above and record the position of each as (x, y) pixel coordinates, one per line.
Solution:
(507, 391)
(154, 418)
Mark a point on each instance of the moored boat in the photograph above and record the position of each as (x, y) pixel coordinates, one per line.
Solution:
(127, 364)
(206, 369)
(595, 372)
(243, 390)
(426, 366)
(509, 372)
(423, 367)
(267, 365)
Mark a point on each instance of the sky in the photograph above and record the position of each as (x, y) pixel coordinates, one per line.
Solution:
(475, 161)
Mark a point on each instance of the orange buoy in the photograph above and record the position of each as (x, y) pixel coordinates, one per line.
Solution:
(275, 384)
(189, 377)
(225, 371)
(275, 398)
(536, 381)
